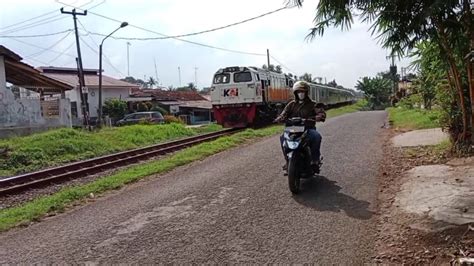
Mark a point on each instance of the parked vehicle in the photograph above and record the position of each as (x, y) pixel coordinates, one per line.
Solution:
(135, 118)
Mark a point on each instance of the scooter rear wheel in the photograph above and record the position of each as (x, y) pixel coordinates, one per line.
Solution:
(293, 176)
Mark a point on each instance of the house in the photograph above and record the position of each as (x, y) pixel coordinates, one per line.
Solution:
(23, 116)
(111, 88)
(188, 105)
(405, 87)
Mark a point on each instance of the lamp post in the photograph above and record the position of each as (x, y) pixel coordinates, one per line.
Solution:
(124, 24)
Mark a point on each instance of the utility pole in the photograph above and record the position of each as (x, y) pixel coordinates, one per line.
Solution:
(179, 75)
(393, 72)
(195, 77)
(156, 72)
(128, 59)
(268, 59)
(82, 83)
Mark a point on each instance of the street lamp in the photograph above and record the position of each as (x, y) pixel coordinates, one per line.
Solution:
(124, 24)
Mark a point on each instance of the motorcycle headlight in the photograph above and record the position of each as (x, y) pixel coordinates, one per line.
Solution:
(293, 144)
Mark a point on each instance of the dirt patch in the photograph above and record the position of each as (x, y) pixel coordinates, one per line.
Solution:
(402, 237)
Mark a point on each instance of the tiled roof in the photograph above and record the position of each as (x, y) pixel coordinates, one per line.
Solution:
(69, 76)
(162, 95)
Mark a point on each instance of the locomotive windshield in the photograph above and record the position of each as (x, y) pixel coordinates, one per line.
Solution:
(242, 77)
(221, 78)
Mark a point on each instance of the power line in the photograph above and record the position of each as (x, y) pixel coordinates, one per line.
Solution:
(28, 20)
(37, 35)
(49, 48)
(164, 35)
(62, 53)
(281, 64)
(46, 20)
(193, 33)
(95, 51)
(36, 60)
(33, 25)
(107, 60)
(42, 48)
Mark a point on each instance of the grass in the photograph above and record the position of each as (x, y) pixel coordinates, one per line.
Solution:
(412, 119)
(347, 109)
(59, 201)
(56, 147)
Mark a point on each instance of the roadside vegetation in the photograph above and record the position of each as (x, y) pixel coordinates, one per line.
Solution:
(412, 119)
(358, 106)
(438, 35)
(56, 147)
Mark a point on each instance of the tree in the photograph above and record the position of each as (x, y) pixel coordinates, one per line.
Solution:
(400, 25)
(115, 108)
(135, 81)
(192, 86)
(142, 107)
(307, 77)
(332, 83)
(151, 82)
(273, 68)
(278, 69)
(376, 90)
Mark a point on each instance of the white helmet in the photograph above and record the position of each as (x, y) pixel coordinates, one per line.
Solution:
(301, 86)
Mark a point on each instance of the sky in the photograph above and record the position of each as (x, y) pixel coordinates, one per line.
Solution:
(344, 56)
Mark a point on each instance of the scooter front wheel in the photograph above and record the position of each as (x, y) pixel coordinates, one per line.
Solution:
(293, 176)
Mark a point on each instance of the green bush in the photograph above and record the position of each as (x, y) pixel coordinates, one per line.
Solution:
(115, 108)
(159, 109)
(172, 119)
(142, 107)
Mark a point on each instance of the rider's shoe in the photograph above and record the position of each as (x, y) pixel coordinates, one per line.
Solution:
(315, 165)
(285, 168)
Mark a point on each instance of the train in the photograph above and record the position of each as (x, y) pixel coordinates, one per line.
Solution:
(248, 96)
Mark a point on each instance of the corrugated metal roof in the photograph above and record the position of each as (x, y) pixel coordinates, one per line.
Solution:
(92, 81)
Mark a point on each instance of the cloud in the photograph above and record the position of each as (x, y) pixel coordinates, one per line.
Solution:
(344, 56)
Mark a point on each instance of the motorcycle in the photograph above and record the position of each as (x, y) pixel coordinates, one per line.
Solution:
(298, 152)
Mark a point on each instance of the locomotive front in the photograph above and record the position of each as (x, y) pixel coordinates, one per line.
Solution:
(235, 94)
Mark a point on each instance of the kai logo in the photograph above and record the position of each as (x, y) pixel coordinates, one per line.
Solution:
(231, 92)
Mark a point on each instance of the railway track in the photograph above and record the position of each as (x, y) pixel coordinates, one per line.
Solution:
(79, 169)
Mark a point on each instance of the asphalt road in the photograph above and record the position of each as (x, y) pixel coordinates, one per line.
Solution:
(232, 207)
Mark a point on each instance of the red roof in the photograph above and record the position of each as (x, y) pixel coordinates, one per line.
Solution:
(162, 95)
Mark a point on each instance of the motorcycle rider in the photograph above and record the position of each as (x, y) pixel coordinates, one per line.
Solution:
(302, 106)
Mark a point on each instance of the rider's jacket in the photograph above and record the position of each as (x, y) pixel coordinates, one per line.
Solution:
(304, 109)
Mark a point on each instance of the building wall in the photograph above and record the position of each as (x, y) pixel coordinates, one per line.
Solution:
(107, 93)
(24, 116)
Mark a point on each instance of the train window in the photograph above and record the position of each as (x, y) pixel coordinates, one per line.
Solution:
(290, 83)
(258, 77)
(242, 77)
(221, 78)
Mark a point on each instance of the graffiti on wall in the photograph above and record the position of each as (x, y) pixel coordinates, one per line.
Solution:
(31, 112)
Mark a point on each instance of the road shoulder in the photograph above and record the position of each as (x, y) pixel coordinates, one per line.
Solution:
(424, 199)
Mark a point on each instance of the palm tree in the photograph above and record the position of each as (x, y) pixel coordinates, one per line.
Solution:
(151, 82)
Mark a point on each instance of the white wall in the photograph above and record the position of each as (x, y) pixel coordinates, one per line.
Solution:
(107, 93)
